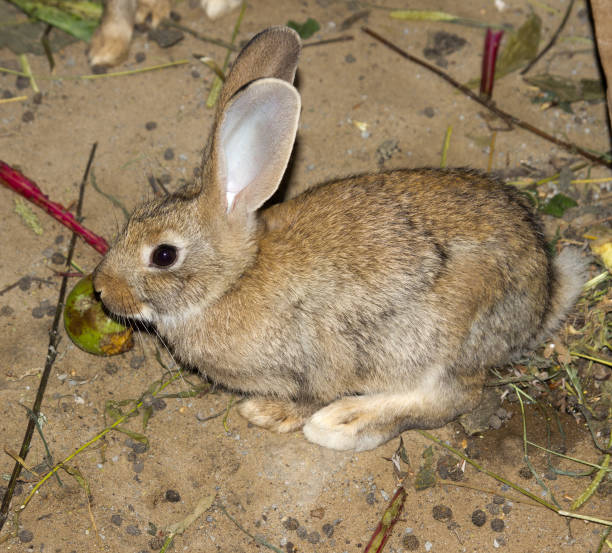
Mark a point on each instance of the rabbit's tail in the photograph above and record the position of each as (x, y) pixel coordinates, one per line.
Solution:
(570, 272)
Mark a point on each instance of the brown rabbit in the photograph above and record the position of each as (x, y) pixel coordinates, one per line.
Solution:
(361, 308)
(111, 41)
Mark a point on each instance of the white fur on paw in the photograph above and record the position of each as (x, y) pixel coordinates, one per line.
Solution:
(343, 425)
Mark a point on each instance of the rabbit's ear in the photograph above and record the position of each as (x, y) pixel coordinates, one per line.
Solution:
(273, 52)
(253, 141)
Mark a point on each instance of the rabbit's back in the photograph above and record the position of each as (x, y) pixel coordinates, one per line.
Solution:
(373, 282)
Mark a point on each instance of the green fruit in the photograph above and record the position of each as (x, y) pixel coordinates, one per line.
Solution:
(89, 327)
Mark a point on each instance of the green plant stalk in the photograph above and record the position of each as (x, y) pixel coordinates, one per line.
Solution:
(445, 146)
(520, 392)
(514, 486)
(586, 495)
(134, 71)
(98, 436)
(387, 522)
(596, 359)
(574, 459)
(215, 89)
(25, 66)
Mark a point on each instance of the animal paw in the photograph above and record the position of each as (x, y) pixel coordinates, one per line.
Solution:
(110, 44)
(275, 415)
(348, 423)
(158, 10)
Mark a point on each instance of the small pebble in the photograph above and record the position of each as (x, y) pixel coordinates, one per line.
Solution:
(328, 530)
(165, 179)
(498, 500)
(25, 283)
(314, 537)
(138, 467)
(117, 520)
(495, 422)
(172, 496)
(110, 368)
(429, 112)
(302, 532)
(99, 70)
(290, 523)
(479, 517)
(133, 530)
(319, 512)
(350, 58)
(22, 82)
(195, 74)
(442, 513)
(497, 525)
(58, 258)
(59, 239)
(7, 94)
(493, 509)
(410, 542)
(506, 508)
(175, 16)
(168, 154)
(27, 116)
(26, 536)
(140, 447)
(6, 311)
(156, 544)
(150, 125)
(371, 498)
(38, 312)
(159, 404)
(525, 473)
(290, 547)
(137, 361)
(140, 57)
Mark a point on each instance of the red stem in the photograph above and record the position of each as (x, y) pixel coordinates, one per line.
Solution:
(489, 59)
(30, 191)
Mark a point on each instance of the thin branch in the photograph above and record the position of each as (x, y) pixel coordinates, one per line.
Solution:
(507, 117)
(552, 40)
(54, 339)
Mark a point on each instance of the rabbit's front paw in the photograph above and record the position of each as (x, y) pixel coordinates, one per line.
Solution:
(348, 423)
(276, 415)
(110, 43)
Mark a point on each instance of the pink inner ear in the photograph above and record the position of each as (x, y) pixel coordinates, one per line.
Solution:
(256, 137)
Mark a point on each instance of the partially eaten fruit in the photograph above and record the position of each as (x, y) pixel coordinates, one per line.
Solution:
(89, 327)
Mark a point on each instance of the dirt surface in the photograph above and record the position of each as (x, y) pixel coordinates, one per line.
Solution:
(284, 491)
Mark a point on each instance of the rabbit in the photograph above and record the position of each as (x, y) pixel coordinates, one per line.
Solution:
(110, 42)
(361, 308)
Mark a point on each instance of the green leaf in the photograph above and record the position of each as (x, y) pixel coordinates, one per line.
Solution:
(306, 29)
(426, 477)
(563, 90)
(79, 19)
(521, 47)
(558, 205)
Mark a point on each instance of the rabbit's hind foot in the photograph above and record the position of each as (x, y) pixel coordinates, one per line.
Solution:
(365, 422)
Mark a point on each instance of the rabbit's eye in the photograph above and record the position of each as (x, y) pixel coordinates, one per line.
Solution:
(164, 255)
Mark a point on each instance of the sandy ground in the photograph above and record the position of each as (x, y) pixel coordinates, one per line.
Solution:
(283, 490)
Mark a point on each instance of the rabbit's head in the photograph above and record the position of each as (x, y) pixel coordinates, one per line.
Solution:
(182, 252)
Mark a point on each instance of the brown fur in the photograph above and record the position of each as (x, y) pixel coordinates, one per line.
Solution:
(361, 308)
